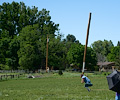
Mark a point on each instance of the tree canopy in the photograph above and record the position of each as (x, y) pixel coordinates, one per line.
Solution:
(114, 56)
(76, 53)
(102, 49)
(23, 40)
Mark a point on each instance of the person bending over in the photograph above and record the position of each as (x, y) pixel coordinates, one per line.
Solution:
(87, 81)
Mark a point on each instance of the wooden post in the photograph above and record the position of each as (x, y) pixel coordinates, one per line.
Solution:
(47, 54)
(86, 43)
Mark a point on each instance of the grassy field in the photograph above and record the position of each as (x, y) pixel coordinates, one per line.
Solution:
(55, 87)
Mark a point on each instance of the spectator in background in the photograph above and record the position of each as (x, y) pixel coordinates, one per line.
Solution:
(117, 96)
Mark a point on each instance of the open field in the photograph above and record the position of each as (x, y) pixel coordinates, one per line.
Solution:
(55, 87)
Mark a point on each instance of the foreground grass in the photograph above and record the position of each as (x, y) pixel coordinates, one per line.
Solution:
(55, 87)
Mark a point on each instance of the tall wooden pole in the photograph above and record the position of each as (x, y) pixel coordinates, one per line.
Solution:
(86, 43)
(47, 54)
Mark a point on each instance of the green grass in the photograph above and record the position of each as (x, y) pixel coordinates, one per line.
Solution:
(55, 87)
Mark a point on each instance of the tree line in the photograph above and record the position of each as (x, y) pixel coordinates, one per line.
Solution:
(23, 40)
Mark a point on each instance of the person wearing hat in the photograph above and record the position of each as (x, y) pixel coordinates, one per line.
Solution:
(87, 81)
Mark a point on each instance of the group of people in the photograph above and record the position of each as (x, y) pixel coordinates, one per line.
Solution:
(86, 80)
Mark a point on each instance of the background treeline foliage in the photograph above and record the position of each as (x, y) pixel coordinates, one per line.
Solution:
(23, 39)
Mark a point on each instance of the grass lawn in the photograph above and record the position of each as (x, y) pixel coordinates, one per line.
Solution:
(55, 87)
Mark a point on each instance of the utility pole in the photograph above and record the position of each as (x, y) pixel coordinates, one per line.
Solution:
(47, 54)
(86, 43)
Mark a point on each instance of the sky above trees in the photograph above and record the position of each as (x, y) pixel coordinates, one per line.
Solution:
(72, 17)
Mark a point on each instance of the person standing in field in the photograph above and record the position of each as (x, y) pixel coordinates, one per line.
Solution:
(117, 96)
(87, 81)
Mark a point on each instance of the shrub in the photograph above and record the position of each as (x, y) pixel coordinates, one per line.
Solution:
(4, 67)
(60, 72)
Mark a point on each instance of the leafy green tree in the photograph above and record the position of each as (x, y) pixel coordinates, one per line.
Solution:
(33, 46)
(70, 38)
(28, 53)
(8, 50)
(14, 46)
(57, 56)
(9, 17)
(4, 44)
(114, 55)
(13, 18)
(102, 49)
(76, 53)
(91, 59)
(118, 44)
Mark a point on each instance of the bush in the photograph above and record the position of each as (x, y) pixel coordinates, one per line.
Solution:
(106, 73)
(97, 73)
(96, 68)
(4, 67)
(60, 72)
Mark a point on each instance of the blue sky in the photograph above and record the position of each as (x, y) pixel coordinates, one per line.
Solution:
(73, 15)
